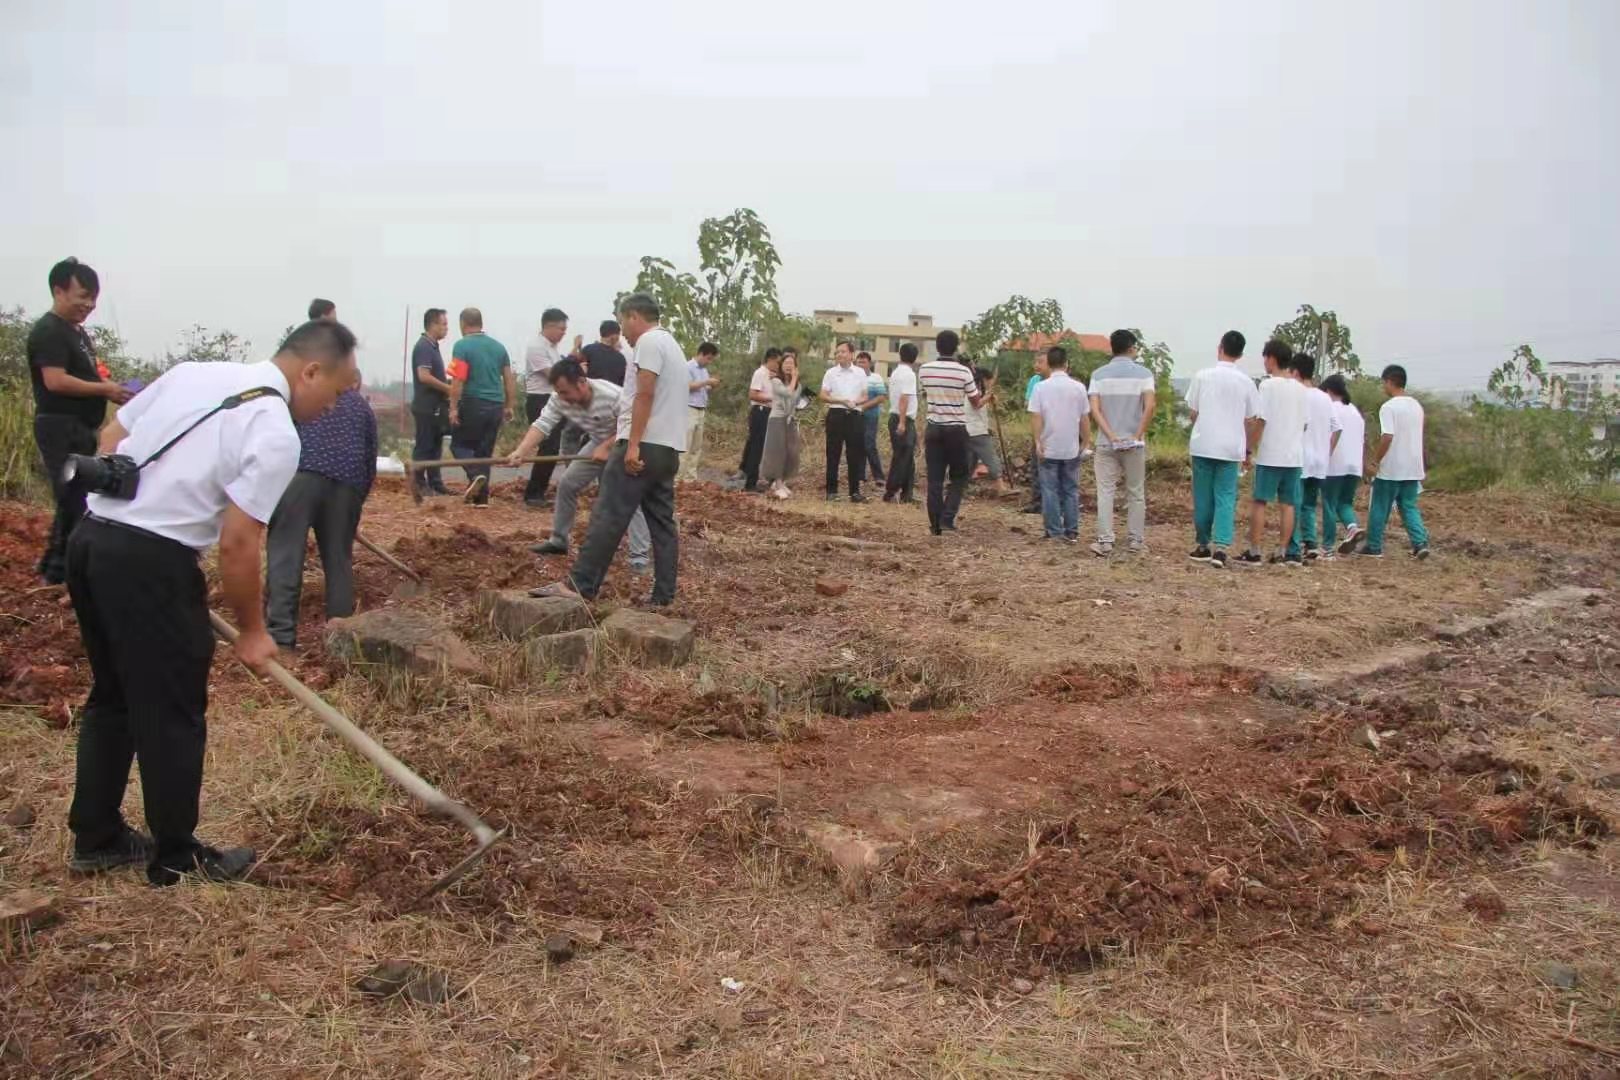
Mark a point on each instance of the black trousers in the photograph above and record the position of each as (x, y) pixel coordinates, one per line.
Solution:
(945, 449)
(903, 458)
(142, 606)
(540, 474)
(617, 497)
(846, 433)
(57, 437)
(754, 449)
(332, 509)
(475, 436)
(429, 444)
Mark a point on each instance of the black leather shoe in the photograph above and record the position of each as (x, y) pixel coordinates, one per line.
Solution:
(207, 864)
(130, 849)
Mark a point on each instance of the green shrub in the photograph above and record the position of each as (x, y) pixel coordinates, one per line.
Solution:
(21, 474)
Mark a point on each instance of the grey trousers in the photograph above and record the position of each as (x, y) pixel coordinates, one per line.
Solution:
(1132, 465)
(332, 509)
(578, 478)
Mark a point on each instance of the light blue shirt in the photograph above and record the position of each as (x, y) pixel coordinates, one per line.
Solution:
(696, 372)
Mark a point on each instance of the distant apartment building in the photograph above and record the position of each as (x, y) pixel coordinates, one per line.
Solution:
(1585, 381)
(883, 340)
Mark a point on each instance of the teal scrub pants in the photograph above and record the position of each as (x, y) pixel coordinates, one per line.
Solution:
(1215, 488)
(1338, 507)
(1403, 496)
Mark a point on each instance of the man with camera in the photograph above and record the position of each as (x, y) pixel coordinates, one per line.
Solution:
(202, 455)
(70, 397)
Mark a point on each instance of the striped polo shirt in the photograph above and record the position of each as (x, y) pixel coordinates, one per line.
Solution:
(599, 420)
(1120, 388)
(947, 384)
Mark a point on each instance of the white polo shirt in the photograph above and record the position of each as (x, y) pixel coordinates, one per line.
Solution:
(844, 385)
(1402, 418)
(759, 383)
(1349, 456)
(903, 382)
(1060, 400)
(246, 455)
(1224, 397)
(658, 351)
(538, 359)
(1282, 407)
(1320, 424)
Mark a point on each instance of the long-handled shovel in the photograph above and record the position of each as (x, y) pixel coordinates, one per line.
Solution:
(391, 767)
(414, 467)
(406, 589)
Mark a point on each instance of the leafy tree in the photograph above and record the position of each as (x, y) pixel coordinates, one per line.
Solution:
(1015, 317)
(731, 298)
(199, 345)
(1523, 380)
(1304, 333)
(1157, 359)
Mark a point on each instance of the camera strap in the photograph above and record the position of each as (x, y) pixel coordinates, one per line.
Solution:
(229, 403)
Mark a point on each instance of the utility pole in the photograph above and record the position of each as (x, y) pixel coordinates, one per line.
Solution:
(1321, 355)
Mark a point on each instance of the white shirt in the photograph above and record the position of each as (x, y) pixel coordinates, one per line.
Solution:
(1224, 397)
(903, 381)
(1348, 456)
(1320, 424)
(1402, 417)
(844, 385)
(1282, 407)
(246, 455)
(1060, 401)
(658, 351)
(538, 359)
(760, 383)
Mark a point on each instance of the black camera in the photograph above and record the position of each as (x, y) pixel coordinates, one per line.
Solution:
(113, 475)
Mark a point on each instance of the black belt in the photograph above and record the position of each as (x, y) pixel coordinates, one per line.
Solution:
(147, 534)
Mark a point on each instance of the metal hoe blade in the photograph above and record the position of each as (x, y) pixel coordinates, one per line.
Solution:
(454, 874)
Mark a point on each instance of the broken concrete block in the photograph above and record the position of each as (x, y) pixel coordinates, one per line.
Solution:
(653, 638)
(517, 615)
(573, 651)
(26, 910)
(406, 640)
(418, 983)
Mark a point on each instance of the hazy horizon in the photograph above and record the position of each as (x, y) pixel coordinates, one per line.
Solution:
(1437, 174)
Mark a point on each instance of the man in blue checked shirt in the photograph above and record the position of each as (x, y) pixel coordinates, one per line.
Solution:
(335, 471)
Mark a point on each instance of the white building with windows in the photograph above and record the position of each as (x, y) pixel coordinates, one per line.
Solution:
(1585, 382)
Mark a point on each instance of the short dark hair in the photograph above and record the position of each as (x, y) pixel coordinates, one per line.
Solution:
(1304, 365)
(947, 342)
(1057, 356)
(471, 316)
(431, 316)
(330, 343)
(708, 348)
(908, 353)
(1233, 344)
(772, 353)
(70, 270)
(864, 353)
(552, 314)
(1280, 351)
(1395, 374)
(850, 345)
(791, 350)
(609, 326)
(1335, 386)
(320, 309)
(567, 369)
(982, 376)
(1121, 341)
(640, 304)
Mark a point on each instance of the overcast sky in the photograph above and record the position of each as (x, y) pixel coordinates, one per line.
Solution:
(1443, 173)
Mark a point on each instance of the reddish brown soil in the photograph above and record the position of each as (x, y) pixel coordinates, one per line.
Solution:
(41, 660)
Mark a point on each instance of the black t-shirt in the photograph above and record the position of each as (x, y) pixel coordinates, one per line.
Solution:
(427, 400)
(604, 362)
(55, 342)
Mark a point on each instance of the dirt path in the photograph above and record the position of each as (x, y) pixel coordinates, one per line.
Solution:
(1057, 816)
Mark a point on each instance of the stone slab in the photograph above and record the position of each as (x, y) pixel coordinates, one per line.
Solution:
(402, 640)
(655, 639)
